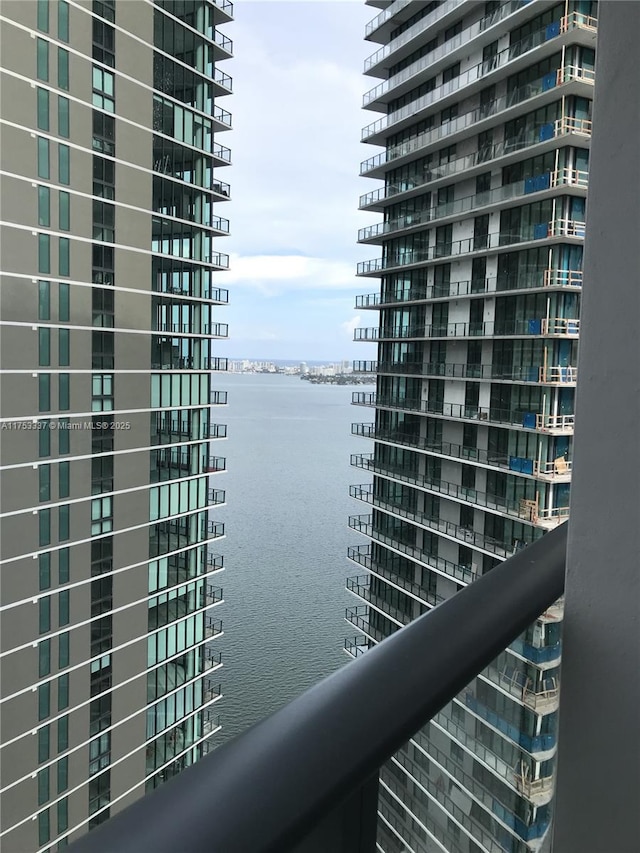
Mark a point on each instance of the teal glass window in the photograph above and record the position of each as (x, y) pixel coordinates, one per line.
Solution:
(44, 700)
(103, 89)
(44, 253)
(44, 527)
(63, 492)
(43, 16)
(64, 222)
(63, 650)
(63, 563)
(63, 20)
(44, 300)
(44, 347)
(63, 392)
(63, 302)
(44, 170)
(44, 481)
(63, 608)
(44, 658)
(44, 206)
(44, 393)
(64, 167)
(63, 347)
(44, 439)
(63, 522)
(43, 109)
(63, 116)
(44, 571)
(44, 615)
(43, 744)
(63, 774)
(63, 815)
(43, 786)
(42, 60)
(64, 438)
(63, 69)
(63, 255)
(44, 830)
(63, 692)
(63, 734)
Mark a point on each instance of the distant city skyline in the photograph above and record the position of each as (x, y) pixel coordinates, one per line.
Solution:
(297, 92)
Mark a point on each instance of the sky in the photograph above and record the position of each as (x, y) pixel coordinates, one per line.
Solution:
(297, 118)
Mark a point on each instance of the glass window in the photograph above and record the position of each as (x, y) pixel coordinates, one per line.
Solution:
(44, 480)
(43, 158)
(63, 211)
(63, 559)
(63, 255)
(64, 438)
(63, 650)
(44, 300)
(44, 832)
(42, 60)
(44, 393)
(63, 608)
(44, 569)
(63, 392)
(63, 302)
(63, 116)
(63, 20)
(62, 808)
(44, 525)
(44, 700)
(44, 614)
(63, 734)
(63, 68)
(63, 347)
(44, 439)
(64, 167)
(63, 522)
(43, 786)
(44, 206)
(44, 348)
(63, 480)
(43, 744)
(43, 109)
(43, 15)
(63, 691)
(44, 253)
(44, 658)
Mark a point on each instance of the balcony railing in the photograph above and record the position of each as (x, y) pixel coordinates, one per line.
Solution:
(540, 327)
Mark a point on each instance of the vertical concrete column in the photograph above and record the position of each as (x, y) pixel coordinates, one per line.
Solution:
(598, 783)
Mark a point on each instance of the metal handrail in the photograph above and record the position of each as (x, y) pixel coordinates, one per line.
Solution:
(271, 786)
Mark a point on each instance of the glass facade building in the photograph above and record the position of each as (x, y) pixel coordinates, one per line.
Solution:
(109, 435)
(485, 132)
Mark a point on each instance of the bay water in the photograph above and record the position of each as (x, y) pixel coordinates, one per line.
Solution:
(286, 540)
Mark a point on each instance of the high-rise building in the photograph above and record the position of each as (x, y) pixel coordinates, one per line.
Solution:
(485, 135)
(108, 309)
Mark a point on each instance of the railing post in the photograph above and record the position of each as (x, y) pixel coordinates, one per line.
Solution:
(598, 778)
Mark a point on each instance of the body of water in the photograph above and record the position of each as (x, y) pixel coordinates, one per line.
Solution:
(285, 553)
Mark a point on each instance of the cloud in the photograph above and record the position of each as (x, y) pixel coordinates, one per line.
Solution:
(349, 325)
(274, 274)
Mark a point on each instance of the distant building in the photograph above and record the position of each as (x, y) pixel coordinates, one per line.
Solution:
(484, 134)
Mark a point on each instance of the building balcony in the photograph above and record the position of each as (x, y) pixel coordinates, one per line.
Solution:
(372, 31)
(514, 419)
(543, 699)
(538, 374)
(361, 555)
(361, 587)
(221, 190)
(546, 327)
(565, 179)
(172, 361)
(216, 497)
(566, 228)
(210, 595)
(215, 465)
(212, 628)
(544, 135)
(210, 660)
(213, 562)
(535, 279)
(545, 41)
(541, 747)
(211, 691)
(210, 722)
(218, 398)
(222, 45)
(209, 330)
(222, 11)
(222, 83)
(576, 80)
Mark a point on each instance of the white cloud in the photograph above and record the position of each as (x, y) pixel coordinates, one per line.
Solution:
(274, 274)
(349, 325)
